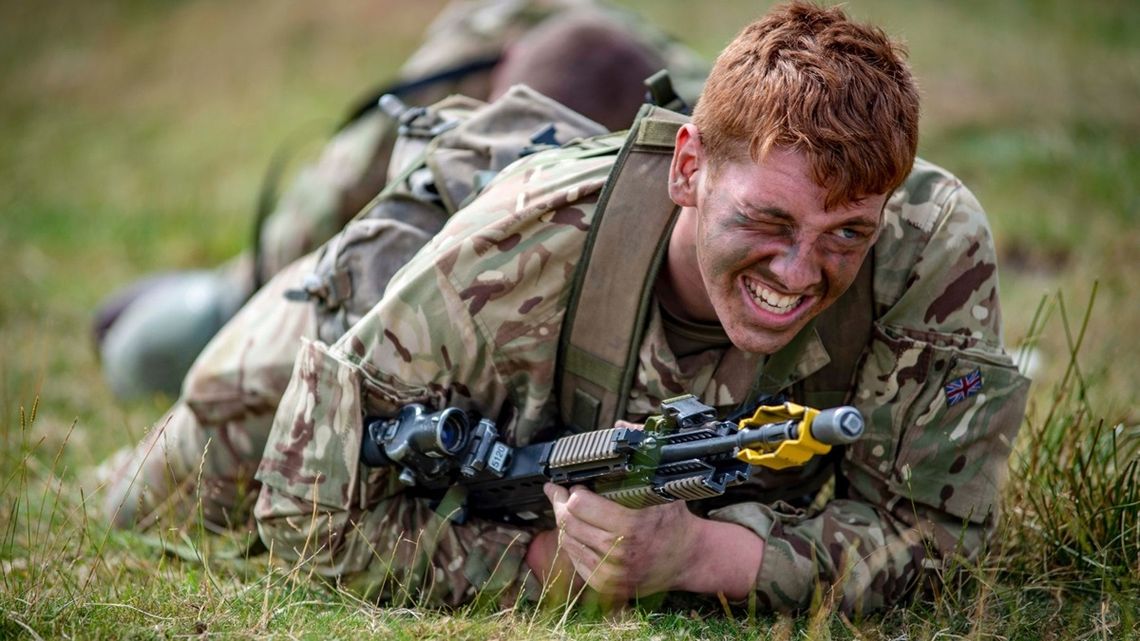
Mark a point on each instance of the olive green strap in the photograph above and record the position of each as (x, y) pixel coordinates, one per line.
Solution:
(613, 284)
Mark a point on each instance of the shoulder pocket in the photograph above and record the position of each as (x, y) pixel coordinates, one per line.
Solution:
(941, 420)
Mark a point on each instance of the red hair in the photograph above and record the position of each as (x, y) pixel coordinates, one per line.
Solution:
(809, 79)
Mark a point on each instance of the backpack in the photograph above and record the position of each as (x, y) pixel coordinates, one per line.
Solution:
(443, 156)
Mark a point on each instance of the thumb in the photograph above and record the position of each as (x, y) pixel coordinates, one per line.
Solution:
(556, 494)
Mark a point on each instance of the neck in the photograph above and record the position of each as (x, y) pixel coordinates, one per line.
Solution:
(679, 287)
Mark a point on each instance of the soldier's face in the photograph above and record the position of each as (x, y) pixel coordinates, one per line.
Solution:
(769, 257)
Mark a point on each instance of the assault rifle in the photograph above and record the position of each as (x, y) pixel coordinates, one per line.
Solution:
(684, 453)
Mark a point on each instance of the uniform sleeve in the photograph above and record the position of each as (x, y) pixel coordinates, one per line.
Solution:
(356, 525)
(943, 404)
(390, 358)
(418, 344)
(433, 339)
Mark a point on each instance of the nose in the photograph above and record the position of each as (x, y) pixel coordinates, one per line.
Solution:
(796, 268)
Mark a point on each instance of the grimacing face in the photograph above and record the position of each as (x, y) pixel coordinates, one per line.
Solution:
(754, 247)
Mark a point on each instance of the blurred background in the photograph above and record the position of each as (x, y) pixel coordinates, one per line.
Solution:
(134, 135)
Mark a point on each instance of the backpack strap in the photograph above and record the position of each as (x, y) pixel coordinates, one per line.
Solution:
(613, 282)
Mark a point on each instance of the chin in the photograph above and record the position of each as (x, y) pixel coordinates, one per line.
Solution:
(755, 342)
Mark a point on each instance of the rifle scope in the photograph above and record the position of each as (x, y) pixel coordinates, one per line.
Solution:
(412, 434)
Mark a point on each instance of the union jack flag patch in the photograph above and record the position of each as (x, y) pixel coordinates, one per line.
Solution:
(962, 388)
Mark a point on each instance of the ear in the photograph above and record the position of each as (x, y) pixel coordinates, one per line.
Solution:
(685, 170)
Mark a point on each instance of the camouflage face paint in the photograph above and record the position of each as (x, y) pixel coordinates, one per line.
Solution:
(770, 257)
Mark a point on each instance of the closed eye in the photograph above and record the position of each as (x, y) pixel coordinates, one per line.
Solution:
(764, 224)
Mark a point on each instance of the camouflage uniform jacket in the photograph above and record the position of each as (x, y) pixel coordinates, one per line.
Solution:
(474, 321)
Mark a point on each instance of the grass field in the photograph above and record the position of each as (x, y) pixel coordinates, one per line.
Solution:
(133, 136)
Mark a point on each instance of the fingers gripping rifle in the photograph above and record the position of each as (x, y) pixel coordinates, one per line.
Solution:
(684, 454)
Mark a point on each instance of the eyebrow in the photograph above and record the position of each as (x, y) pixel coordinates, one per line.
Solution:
(775, 212)
(785, 215)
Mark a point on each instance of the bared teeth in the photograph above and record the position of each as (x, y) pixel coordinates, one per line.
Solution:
(772, 301)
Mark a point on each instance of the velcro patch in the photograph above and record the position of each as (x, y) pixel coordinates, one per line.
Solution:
(963, 387)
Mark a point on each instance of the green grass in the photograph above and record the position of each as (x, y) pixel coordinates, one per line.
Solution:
(133, 136)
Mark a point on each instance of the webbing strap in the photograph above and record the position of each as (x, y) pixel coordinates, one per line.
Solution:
(613, 283)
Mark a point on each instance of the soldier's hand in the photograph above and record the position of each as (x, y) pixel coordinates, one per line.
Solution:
(621, 552)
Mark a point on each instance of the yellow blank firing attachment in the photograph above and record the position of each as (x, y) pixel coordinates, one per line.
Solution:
(803, 437)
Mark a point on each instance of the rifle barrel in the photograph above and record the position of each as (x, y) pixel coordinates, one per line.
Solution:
(835, 426)
(771, 433)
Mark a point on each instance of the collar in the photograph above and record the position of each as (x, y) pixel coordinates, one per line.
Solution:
(800, 358)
